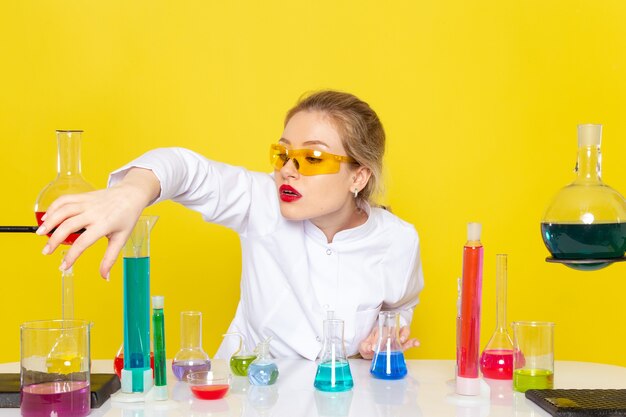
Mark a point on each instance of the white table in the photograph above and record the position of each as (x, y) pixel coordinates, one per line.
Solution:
(428, 390)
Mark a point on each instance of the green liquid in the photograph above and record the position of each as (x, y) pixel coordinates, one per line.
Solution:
(239, 364)
(525, 379)
(585, 241)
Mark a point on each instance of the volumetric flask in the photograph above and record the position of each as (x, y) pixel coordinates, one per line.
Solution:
(496, 361)
(190, 357)
(333, 369)
(55, 384)
(388, 361)
(586, 220)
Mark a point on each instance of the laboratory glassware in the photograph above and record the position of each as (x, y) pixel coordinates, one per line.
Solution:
(118, 361)
(158, 338)
(533, 361)
(584, 226)
(241, 359)
(263, 370)
(333, 370)
(496, 361)
(388, 361)
(209, 385)
(191, 357)
(467, 381)
(137, 376)
(59, 387)
(69, 179)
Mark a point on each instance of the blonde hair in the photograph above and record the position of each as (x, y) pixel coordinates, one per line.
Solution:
(361, 132)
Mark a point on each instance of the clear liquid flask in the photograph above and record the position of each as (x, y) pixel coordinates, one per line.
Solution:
(496, 361)
(191, 357)
(333, 370)
(388, 361)
(242, 358)
(585, 225)
(263, 371)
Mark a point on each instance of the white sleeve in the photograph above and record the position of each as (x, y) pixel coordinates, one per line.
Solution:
(221, 193)
(413, 285)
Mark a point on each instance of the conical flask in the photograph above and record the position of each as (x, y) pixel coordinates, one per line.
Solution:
(69, 179)
(496, 361)
(333, 369)
(241, 359)
(190, 357)
(585, 225)
(388, 361)
(137, 373)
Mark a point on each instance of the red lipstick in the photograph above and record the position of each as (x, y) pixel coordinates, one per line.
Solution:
(288, 194)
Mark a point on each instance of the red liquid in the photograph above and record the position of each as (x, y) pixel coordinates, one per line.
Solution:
(209, 392)
(468, 352)
(70, 399)
(68, 240)
(118, 364)
(497, 364)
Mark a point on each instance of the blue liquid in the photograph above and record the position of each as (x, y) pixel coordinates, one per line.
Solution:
(324, 377)
(137, 318)
(388, 366)
(262, 374)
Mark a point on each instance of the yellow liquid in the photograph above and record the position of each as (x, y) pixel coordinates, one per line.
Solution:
(525, 379)
(64, 364)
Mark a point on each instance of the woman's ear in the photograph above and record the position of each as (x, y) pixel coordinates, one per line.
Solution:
(360, 177)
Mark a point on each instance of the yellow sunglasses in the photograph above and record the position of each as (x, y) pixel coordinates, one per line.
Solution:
(307, 161)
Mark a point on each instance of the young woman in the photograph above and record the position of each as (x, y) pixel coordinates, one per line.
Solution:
(312, 240)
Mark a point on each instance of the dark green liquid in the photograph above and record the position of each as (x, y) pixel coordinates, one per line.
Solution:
(585, 241)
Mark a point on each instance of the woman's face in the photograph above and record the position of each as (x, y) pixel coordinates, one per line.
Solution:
(319, 198)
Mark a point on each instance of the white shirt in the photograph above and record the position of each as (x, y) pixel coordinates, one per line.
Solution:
(290, 275)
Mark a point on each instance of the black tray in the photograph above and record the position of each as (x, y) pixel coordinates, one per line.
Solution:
(102, 386)
(580, 402)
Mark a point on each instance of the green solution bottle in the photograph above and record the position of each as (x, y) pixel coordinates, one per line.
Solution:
(242, 358)
(158, 325)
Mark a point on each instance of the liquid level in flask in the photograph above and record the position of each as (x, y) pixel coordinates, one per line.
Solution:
(63, 398)
(118, 364)
(585, 241)
(262, 374)
(239, 364)
(324, 377)
(389, 365)
(183, 368)
(497, 363)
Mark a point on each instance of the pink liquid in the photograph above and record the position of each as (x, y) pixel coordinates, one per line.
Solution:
(497, 364)
(209, 392)
(64, 399)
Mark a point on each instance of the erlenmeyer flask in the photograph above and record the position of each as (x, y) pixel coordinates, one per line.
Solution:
(388, 361)
(496, 362)
(586, 220)
(137, 375)
(69, 178)
(190, 357)
(333, 370)
(242, 358)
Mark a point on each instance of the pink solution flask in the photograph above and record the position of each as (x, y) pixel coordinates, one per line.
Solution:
(496, 361)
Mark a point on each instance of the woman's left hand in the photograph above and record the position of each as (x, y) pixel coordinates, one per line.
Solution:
(367, 346)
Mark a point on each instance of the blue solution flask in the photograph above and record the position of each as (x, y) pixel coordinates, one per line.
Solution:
(333, 369)
(388, 361)
(263, 371)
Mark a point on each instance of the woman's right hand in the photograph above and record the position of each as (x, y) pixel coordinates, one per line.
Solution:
(110, 212)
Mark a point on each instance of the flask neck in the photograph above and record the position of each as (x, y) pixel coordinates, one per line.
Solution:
(501, 278)
(68, 152)
(589, 165)
(191, 330)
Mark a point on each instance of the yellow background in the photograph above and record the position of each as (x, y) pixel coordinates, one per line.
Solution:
(480, 101)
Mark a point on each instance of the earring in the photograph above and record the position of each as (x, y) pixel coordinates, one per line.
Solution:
(356, 192)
